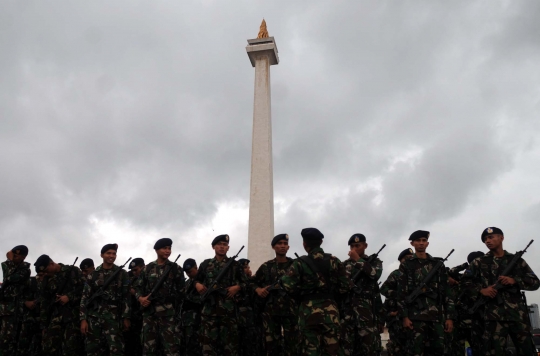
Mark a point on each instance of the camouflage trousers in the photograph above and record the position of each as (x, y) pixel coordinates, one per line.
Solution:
(496, 333)
(8, 335)
(132, 338)
(473, 333)
(160, 331)
(426, 338)
(192, 345)
(104, 337)
(219, 335)
(62, 338)
(29, 330)
(455, 342)
(360, 338)
(280, 335)
(396, 345)
(320, 339)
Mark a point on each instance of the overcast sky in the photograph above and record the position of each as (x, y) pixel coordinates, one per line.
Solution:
(128, 121)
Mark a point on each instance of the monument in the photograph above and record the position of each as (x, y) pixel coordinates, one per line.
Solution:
(262, 53)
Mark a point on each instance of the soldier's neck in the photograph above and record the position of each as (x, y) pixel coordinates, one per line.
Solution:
(162, 261)
(107, 265)
(498, 252)
(281, 258)
(220, 257)
(421, 255)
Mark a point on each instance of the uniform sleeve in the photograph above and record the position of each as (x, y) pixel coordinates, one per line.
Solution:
(126, 297)
(201, 273)
(87, 292)
(78, 285)
(526, 279)
(402, 291)
(388, 288)
(471, 280)
(259, 280)
(291, 280)
(449, 306)
(241, 278)
(139, 285)
(180, 286)
(343, 281)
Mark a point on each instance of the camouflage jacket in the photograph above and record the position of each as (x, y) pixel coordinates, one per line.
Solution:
(245, 299)
(115, 301)
(191, 308)
(361, 301)
(217, 304)
(278, 302)
(15, 279)
(318, 304)
(169, 296)
(484, 272)
(73, 290)
(435, 304)
(31, 294)
(389, 290)
(135, 307)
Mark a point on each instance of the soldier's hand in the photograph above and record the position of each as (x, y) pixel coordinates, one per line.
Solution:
(507, 281)
(407, 323)
(84, 327)
(262, 292)
(394, 313)
(127, 324)
(9, 255)
(353, 255)
(452, 281)
(63, 299)
(30, 304)
(144, 301)
(201, 288)
(489, 292)
(232, 290)
(448, 326)
(132, 291)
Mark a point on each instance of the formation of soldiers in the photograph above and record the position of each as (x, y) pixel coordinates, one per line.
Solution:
(309, 305)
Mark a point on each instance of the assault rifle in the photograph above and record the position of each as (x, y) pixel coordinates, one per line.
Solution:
(483, 300)
(214, 287)
(357, 289)
(454, 272)
(101, 290)
(151, 296)
(421, 289)
(60, 291)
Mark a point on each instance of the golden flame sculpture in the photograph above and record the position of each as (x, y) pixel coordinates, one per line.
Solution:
(263, 32)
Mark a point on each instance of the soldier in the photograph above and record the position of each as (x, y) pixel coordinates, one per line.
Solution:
(455, 341)
(59, 307)
(317, 279)
(360, 329)
(101, 316)
(219, 323)
(505, 312)
(191, 312)
(160, 306)
(278, 309)
(30, 318)
(397, 343)
(249, 338)
(431, 315)
(472, 325)
(132, 336)
(87, 267)
(16, 274)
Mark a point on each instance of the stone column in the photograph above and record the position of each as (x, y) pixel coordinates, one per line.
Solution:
(262, 53)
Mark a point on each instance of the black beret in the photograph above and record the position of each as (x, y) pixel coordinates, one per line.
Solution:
(278, 238)
(404, 253)
(357, 238)
(220, 238)
(86, 263)
(20, 250)
(136, 262)
(189, 264)
(108, 247)
(418, 234)
(311, 234)
(42, 262)
(243, 262)
(491, 231)
(474, 255)
(164, 242)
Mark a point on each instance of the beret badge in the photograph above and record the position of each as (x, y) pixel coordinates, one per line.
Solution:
(287, 237)
(17, 251)
(132, 264)
(356, 239)
(489, 230)
(227, 238)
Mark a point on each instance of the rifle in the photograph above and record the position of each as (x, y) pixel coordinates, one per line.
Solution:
(482, 301)
(370, 260)
(52, 308)
(160, 282)
(214, 287)
(101, 290)
(420, 289)
(454, 272)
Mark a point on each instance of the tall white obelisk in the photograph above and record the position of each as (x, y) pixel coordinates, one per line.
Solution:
(262, 53)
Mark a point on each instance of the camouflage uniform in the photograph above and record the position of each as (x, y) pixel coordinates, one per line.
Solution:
(397, 343)
(15, 279)
(30, 320)
(219, 323)
(106, 313)
(191, 320)
(132, 337)
(455, 341)
(506, 314)
(430, 310)
(278, 311)
(318, 314)
(61, 322)
(159, 324)
(249, 337)
(360, 325)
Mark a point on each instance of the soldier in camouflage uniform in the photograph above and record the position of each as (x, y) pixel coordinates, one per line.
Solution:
(219, 323)
(317, 279)
(191, 312)
(396, 345)
(132, 337)
(248, 336)
(16, 274)
(359, 323)
(432, 313)
(87, 267)
(455, 341)
(505, 313)
(59, 307)
(102, 318)
(30, 319)
(160, 308)
(278, 309)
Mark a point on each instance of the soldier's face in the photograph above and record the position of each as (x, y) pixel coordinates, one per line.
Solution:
(40, 275)
(18, 258)
(192, 273)
(87, 271)
(359, 248)
(109, 256)
(420, 245)
(221, 248)
(164, 252)
(247, 270)
(137, 270)
(494, 241)
(281, 247)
